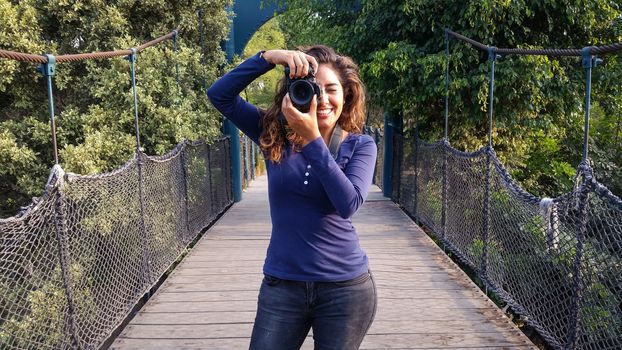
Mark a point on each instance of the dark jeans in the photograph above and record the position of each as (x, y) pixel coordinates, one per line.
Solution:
(340, 313)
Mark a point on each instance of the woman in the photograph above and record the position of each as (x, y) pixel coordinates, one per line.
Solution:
(315, 274)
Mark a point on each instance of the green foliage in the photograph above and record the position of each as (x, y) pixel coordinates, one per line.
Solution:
(538, 116)
(93, 99)
(44, 322)
(261, 91)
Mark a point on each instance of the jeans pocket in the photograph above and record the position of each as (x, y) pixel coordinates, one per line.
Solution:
(356, 280)
(271, 280)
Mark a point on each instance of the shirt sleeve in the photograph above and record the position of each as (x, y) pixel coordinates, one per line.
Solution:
(346, 189)
(225, 95)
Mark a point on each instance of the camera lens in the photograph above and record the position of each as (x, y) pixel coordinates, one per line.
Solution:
(301, 92)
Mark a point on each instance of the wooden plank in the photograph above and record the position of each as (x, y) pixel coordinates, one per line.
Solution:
(196, 318)
(406, 305)
(384, 293)
(242, 329)
(424, 300)
(205, 295)
(445, 340)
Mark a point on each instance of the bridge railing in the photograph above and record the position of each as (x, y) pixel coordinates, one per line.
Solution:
(555, 261)
(79, 258)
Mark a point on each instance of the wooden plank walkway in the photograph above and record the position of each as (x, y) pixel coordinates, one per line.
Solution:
(425, 300)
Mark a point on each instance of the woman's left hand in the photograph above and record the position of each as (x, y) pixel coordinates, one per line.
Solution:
(304, 124)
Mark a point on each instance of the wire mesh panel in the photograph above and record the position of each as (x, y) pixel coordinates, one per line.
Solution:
(556, 261)
(429, 185)
(379, 138)
(407, 176)
(398, 142)
(33, 304)
(245, 152)
(106, 249)
(600, 306)
(165, 209)
(530, 256)
(220, 170)
(79, 259)
(465, 204)
(201, 208)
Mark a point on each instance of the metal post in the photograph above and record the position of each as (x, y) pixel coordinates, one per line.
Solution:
(492, 57)
(132, 59)
(253, 160)
(577, 290)
(184, 172)
(400, 159)
(588, 61)
(209, 176)
(416, 173)
(446, 81)
(377, 140)
(141, 185)
(231, 130)
(445, 142)
(247, 161)
(444, 189)
(48, 69)
(236, 167)
(387, 167)
(64, 255)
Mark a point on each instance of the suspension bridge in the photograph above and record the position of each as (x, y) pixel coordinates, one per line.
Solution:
(78, 263)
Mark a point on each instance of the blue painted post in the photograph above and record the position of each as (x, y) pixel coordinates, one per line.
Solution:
(232, 131)
(236, 169)
(249, 16)
(387, 171)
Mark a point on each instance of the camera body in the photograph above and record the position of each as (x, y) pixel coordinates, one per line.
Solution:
(301, 90)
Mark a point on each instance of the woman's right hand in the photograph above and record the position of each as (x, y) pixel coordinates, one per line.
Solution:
(297, 61)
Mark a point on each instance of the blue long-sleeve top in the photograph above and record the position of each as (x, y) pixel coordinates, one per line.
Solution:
(312, 196)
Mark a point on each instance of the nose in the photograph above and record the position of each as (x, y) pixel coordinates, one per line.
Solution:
(323, 96)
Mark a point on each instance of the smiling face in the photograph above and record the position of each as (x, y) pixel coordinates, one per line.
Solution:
(330, 105)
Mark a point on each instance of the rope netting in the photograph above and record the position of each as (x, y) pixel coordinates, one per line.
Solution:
(556, 261)
(82, 256)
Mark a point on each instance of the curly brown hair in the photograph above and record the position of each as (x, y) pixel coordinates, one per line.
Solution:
(272, 138)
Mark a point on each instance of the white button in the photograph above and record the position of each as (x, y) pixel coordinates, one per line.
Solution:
(309, 166)
(306, 182)
(307, 174)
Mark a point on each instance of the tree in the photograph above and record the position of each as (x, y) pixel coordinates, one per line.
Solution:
(538, 117)
(93, 98)
(269, 36)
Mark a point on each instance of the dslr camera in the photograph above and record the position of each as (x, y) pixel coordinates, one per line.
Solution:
(301, 90)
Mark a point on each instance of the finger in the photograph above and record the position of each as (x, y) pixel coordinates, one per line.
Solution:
(313, 106)
(305, 64)
(286, 102)
(289, 111)
(299, 66)
(313, 62)
(292, 67)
